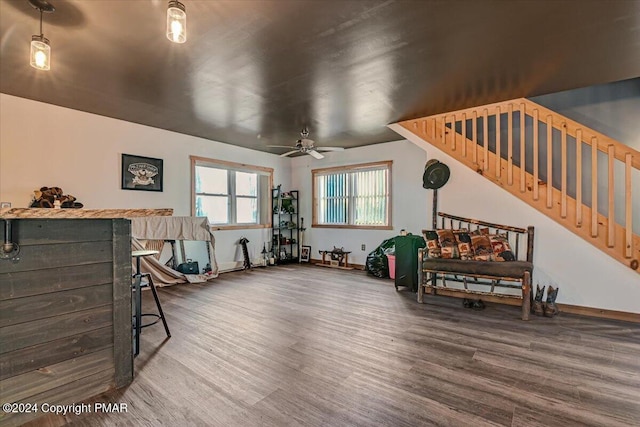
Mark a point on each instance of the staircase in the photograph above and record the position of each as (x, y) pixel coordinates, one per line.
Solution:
(585, 183)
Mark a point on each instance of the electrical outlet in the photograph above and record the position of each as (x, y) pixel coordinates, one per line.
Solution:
(362, 247)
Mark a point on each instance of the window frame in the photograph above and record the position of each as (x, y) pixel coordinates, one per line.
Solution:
(388, 164)
(236, 167)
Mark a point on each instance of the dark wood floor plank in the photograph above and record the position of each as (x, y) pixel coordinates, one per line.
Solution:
(580, 416)
(304, 346)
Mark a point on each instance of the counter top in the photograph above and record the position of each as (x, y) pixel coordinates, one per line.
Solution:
(47, 213)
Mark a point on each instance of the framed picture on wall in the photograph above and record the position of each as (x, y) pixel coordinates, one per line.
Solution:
(305, 254)
(141, 173)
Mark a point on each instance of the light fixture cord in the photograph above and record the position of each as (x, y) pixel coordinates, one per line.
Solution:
(41, 33)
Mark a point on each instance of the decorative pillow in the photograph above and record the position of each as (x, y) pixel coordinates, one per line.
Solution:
(463, 239)
(480, 232)
(501, 248)
(482, 249)
(433, 247)
(448, 244)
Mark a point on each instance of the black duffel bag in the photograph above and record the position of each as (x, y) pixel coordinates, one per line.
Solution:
(189, 267)
(377, 263)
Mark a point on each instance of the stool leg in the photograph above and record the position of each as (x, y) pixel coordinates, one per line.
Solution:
(155, 296)
(138, 313)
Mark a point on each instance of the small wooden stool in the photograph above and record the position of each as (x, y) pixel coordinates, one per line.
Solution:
(337, 259)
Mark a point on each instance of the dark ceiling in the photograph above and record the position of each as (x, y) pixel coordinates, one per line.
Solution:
(254, 72)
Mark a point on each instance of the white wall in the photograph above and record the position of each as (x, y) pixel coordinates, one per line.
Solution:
(409, 198)
(47, 145)
(586, 276)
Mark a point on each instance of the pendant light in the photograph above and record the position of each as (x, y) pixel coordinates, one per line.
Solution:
(40, 56)
(176, 22)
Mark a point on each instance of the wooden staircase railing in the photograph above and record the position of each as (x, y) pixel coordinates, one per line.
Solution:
(522, 165)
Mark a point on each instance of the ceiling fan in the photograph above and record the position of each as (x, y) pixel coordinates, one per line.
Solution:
(306, 146)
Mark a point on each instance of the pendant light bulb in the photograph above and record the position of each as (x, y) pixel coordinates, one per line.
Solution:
(176, 22)
(40, 54)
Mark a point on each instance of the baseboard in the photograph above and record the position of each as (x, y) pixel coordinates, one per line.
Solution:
(229, 266)
(354, 266)
(599, 312)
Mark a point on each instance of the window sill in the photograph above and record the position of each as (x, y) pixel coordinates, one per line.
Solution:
(238, 227)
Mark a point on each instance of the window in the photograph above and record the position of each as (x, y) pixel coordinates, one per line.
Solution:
(231, 195)
(356, 196)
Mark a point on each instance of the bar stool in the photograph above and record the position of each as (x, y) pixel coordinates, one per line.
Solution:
(137, 287)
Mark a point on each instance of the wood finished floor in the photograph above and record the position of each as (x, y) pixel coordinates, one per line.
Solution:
(301, 345)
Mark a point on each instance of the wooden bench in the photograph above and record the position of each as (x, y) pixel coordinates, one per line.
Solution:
(486, 274)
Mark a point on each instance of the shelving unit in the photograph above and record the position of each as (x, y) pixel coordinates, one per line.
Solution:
(285, 233)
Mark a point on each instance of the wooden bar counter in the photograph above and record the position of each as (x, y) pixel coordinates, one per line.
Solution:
(65, 306)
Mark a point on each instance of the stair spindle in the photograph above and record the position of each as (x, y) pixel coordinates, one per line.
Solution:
(536, 153)
(485, 142)
(498, 144)
(611, 217)
(594, 187)
(563, 176)
(549, 161)
(464, 134)
(510, 145)
(474, 135)
(628, 231)
(453, 133)
(523, 165)
(579, 178)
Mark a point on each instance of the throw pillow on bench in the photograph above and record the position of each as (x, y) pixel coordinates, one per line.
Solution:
(479, 245)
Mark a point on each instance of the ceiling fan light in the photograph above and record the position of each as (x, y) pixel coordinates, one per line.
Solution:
(176, 22)
(40, 56)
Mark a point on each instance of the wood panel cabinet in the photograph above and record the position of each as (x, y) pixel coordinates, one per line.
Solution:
(65, 312)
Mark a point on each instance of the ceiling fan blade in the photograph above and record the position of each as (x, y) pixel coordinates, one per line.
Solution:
(330, 148)
(288, 153)
(281, 146)
(315, 154)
